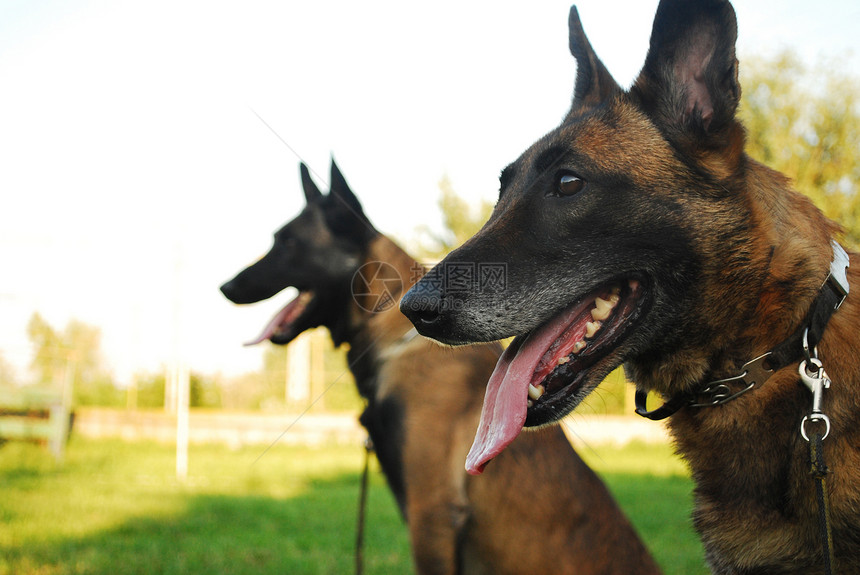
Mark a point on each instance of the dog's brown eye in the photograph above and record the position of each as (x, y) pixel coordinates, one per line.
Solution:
(568, 185)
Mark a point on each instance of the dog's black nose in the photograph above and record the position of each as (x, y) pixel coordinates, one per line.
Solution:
(238, 291)
(430, 306)
(422, 304)
(230, 292)
(422, 309)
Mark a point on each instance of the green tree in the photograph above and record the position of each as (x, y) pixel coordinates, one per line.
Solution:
(150, 389)
(275, 370)
(48, 351)
(460, 221)
(203, 390)
(806, 124)
(335, 391)
(84, 344)
(99, 390)
(75, 353)
(332, 385)
(262, 389)
(7, 373)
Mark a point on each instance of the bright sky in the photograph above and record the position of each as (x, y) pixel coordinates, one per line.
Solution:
(137, 177)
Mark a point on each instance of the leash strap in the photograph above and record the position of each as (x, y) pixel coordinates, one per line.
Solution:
(819, 471)
(812, 375)
(666, 410)
(362, 505)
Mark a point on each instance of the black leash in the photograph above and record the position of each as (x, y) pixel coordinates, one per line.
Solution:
(819, 471)
(362, 505)
(812, 374)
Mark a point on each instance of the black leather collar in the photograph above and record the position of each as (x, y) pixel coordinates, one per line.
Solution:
(756, 372)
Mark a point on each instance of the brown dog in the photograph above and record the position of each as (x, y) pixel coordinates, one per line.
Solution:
(638, 232)
(539, 510)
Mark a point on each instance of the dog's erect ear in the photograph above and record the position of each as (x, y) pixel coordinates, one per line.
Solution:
(594, 83)
(343, 211)
(341, 192)
(312, 192)
(689, 84)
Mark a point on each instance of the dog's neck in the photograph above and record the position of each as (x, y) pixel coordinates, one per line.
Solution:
(751, 466)
(801, 346)
(783, 261)
(746, 456)
(793, 252)
(375, 331)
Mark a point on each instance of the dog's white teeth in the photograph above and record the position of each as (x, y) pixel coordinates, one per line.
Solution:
(563, 360)
(535, 391)
(591, 328)
(602, 308)
(530, 403)
(579, 346)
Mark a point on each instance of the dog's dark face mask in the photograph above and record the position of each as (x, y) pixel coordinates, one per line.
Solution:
(589, 227)
(317, 253)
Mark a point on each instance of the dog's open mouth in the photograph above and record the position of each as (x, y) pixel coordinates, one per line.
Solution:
(540, 372)
(282, 328)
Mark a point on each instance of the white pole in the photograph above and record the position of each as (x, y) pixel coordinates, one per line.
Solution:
(299, 369)
(60, 435)
(180, 373)
(170, 375)
(183, 392)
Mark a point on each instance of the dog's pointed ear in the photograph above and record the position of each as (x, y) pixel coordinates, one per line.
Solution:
(594, 83)
(341, 192)
(312, 193)
(344, 213)
(689, 83)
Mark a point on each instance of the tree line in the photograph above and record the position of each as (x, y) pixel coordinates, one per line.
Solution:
(72, 355)
(802, 121)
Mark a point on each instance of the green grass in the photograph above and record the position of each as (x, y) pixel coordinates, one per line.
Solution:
(116, 507)
(653, 487)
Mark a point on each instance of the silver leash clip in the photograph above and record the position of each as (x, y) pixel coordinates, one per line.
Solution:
(814, 377)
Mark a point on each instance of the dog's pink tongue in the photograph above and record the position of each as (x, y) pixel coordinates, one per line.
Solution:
(282, 318)
(504, 411)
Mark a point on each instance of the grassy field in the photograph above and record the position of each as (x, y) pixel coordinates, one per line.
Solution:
(116, 507)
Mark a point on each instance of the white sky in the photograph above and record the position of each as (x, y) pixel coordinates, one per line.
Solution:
(136, 177)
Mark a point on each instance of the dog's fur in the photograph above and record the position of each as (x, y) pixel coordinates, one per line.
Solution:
(539, 510)
(729, 259)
